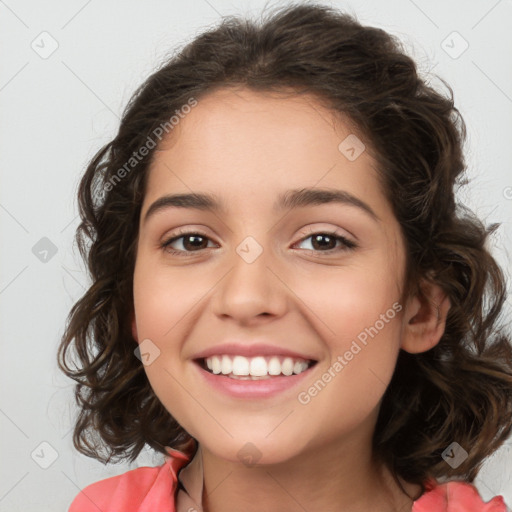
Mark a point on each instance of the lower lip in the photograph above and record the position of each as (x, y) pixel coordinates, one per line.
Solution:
(263, 388)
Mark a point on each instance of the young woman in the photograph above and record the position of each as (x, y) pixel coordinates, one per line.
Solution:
(287, 301)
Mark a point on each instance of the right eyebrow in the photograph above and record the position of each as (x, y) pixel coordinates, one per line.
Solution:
(197, 201)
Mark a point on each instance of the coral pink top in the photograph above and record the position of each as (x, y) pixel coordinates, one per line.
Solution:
(159, 489)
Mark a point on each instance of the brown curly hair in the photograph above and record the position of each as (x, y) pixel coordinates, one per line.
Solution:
(460, 390)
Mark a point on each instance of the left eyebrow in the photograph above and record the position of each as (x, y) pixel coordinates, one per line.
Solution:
(299, 198)
(291, 199)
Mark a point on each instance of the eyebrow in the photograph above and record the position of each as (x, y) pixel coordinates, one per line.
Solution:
(291, 199)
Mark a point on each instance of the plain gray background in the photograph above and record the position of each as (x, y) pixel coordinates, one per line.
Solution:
(59, 109)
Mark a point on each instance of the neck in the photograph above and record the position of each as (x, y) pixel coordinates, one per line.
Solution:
(336, 475)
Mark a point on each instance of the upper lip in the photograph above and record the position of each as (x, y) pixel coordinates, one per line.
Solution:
(257, 349)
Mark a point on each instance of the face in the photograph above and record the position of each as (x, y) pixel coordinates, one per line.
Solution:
(253, 273)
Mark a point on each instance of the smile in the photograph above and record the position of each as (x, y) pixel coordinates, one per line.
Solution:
(254, 377)
(242, 367)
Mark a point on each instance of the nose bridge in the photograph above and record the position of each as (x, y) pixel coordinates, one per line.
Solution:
(250, 288)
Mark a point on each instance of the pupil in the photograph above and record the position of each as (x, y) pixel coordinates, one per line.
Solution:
(194, 244)
(316, 238)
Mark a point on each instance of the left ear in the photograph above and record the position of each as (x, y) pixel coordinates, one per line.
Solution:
(425, 318)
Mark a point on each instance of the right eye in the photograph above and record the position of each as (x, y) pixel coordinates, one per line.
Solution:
(192, 240)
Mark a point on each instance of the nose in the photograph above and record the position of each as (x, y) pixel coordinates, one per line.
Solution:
(251, 290)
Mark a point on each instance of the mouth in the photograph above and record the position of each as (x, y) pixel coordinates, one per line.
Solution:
(256, 378)
(254, 368)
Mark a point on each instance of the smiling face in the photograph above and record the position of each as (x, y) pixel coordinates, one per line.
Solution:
(283, 287)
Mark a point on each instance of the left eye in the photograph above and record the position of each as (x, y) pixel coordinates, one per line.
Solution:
(322, 239)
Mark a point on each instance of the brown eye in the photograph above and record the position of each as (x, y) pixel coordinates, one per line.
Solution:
(186, 243)
(327, 242)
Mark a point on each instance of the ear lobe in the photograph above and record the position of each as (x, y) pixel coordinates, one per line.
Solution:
(425, 319)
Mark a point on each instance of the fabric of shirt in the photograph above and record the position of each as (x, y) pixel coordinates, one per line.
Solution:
(177, 486)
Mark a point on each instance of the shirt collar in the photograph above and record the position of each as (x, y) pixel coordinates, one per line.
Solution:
(190, 484)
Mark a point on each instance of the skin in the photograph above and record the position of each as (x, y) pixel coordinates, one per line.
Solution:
(248, 147)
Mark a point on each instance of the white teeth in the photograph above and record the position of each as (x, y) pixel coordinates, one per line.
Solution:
(274, 366)
(297, 367)
(259, 366)
(287, 366)
(240, 365)
(226, 365)
(216, 364)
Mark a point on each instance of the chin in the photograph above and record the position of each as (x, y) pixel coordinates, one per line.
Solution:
(254, 450)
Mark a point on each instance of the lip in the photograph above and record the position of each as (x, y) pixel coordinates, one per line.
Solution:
(264, 388)
(257, 349)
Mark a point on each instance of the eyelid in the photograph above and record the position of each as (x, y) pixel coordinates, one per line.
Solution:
(303, 234)
(332, 231)
(182, 232)
(178, 232)
(312, 230)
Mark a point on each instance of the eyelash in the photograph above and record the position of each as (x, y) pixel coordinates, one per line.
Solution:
(348, 244)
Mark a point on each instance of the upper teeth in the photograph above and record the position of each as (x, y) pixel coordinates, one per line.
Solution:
(256, 366)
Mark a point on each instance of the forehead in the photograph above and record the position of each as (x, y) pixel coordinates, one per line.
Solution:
(256, 119)
(251, 146)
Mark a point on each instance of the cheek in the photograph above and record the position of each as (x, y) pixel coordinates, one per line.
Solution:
(165, 303)
(347, 300)
(162, 299)
(357, 313)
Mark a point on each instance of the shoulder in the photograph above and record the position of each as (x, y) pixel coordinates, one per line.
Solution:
(140, 489)
(456, 496)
